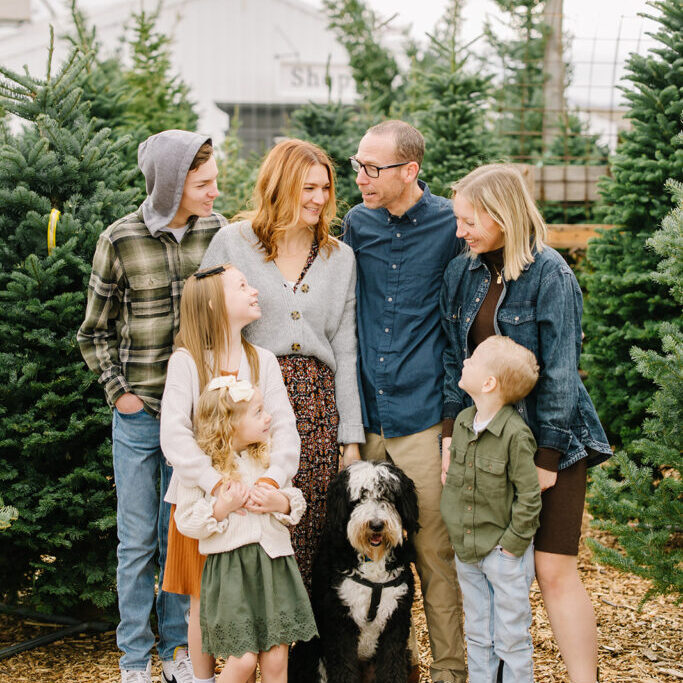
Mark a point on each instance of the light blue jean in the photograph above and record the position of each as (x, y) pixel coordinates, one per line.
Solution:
(142, 477)
(495, 596)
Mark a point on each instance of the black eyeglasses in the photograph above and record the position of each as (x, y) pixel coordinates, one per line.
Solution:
(372, 171)
(201, 274)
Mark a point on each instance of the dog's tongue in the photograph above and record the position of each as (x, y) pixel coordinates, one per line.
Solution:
(375, 539)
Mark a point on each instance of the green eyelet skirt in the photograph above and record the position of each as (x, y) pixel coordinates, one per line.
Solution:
(250, 602)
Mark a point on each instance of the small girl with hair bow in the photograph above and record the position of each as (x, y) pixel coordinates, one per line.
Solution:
(253, 600)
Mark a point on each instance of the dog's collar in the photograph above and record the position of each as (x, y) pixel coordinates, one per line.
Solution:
(376, 591)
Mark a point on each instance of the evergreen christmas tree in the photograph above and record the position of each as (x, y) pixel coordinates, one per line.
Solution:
(374, 68)
(453, 115)
(644, 508)
(55, 458)
(624, 306)
(236, 173)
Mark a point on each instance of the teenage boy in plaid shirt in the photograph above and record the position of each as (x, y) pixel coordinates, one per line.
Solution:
(140, 264)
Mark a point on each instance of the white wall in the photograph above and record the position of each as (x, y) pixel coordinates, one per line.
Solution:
(237, 51)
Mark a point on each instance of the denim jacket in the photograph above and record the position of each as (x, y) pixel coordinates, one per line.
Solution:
(541, 310)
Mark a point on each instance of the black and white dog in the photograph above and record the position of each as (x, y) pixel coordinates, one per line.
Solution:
(362, 581)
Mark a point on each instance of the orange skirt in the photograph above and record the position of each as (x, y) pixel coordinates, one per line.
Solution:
(184, 562)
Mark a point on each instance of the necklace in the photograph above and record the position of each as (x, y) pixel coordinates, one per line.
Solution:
(499, 273)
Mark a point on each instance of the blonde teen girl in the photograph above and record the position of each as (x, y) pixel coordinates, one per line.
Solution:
(216, 304)
(253, 601)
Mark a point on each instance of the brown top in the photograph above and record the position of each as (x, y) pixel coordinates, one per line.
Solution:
(482, 328)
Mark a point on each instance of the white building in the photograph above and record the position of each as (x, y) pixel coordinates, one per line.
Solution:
(264, 57)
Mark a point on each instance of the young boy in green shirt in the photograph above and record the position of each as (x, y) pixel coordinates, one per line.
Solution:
(490, 503)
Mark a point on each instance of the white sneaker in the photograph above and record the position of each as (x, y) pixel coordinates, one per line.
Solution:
(130, 676)
(179, 669)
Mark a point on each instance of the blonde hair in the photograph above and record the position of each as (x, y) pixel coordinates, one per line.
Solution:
(499, 189)
(205, 328)
(216, 422)
(277, 195)
(513, 365)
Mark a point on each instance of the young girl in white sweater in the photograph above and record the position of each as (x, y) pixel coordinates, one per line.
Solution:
(253, 601)
(216, 305)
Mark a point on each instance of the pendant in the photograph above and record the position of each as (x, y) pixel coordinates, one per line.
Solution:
(499, 279)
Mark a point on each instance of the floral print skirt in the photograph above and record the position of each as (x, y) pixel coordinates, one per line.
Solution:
(310, 385)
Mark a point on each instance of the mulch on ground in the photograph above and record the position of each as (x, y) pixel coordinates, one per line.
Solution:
(634, 647)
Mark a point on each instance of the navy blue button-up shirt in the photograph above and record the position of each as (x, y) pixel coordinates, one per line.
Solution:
(400, 266)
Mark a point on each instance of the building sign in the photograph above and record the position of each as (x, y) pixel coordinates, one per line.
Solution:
(303, 81)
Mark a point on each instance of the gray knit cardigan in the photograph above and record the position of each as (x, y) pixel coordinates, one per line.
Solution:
(318, 320)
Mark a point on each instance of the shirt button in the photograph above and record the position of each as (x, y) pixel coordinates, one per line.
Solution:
(477, 299)
(390, 299)
(393, 265)
(469, 488)
(381, 359)
(305, 288)
(516, 318)
(469, 507)
(415, 221)
(295, 315)
(389, 220)
(467, 320)
(381, 391)
(468, 531)
(469, 464)
(398, 234)
(486, 282)
(296, 347)
(386, 329)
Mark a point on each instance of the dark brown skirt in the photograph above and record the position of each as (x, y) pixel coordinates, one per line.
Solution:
(562, 511)
(310, 386)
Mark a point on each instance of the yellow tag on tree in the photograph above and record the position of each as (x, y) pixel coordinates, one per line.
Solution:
(52, 230)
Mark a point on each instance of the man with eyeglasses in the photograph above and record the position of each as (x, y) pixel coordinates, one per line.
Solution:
(403, 237)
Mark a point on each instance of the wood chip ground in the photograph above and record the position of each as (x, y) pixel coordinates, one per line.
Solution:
(634, 646)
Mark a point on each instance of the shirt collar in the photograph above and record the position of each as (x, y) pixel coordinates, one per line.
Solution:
(477, 262)
(495, 426)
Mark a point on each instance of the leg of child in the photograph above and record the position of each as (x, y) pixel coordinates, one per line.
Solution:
(477, 600)
(239, 669)
(273, 664)
(570, 613)
(203, 664)
(511, 578)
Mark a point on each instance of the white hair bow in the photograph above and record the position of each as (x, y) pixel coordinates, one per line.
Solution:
(239, 389)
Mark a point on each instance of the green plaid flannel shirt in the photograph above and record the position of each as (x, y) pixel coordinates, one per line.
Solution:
(133, 309)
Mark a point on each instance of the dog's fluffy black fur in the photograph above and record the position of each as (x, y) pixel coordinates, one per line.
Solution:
(363, 585)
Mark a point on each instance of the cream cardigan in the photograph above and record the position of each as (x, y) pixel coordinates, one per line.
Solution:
(190, 464)
(194, 517)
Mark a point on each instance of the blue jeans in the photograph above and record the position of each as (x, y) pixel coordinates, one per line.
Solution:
(142, 477)
(495, 595)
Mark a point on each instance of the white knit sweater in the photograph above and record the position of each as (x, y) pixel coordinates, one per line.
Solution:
(190, 464)
(318, 319)
(194, 517)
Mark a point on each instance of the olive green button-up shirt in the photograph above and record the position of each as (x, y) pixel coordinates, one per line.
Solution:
(491, 496)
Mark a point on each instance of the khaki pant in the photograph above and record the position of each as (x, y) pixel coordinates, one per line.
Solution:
(418, 456)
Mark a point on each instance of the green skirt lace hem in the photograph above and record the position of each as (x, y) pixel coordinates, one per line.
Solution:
(250, 602)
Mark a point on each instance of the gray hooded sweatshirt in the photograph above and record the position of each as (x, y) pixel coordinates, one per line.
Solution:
(164, 160)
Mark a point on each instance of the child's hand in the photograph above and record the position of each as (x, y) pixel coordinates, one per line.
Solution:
(231, 497)
(445, 458)
(264, 498)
